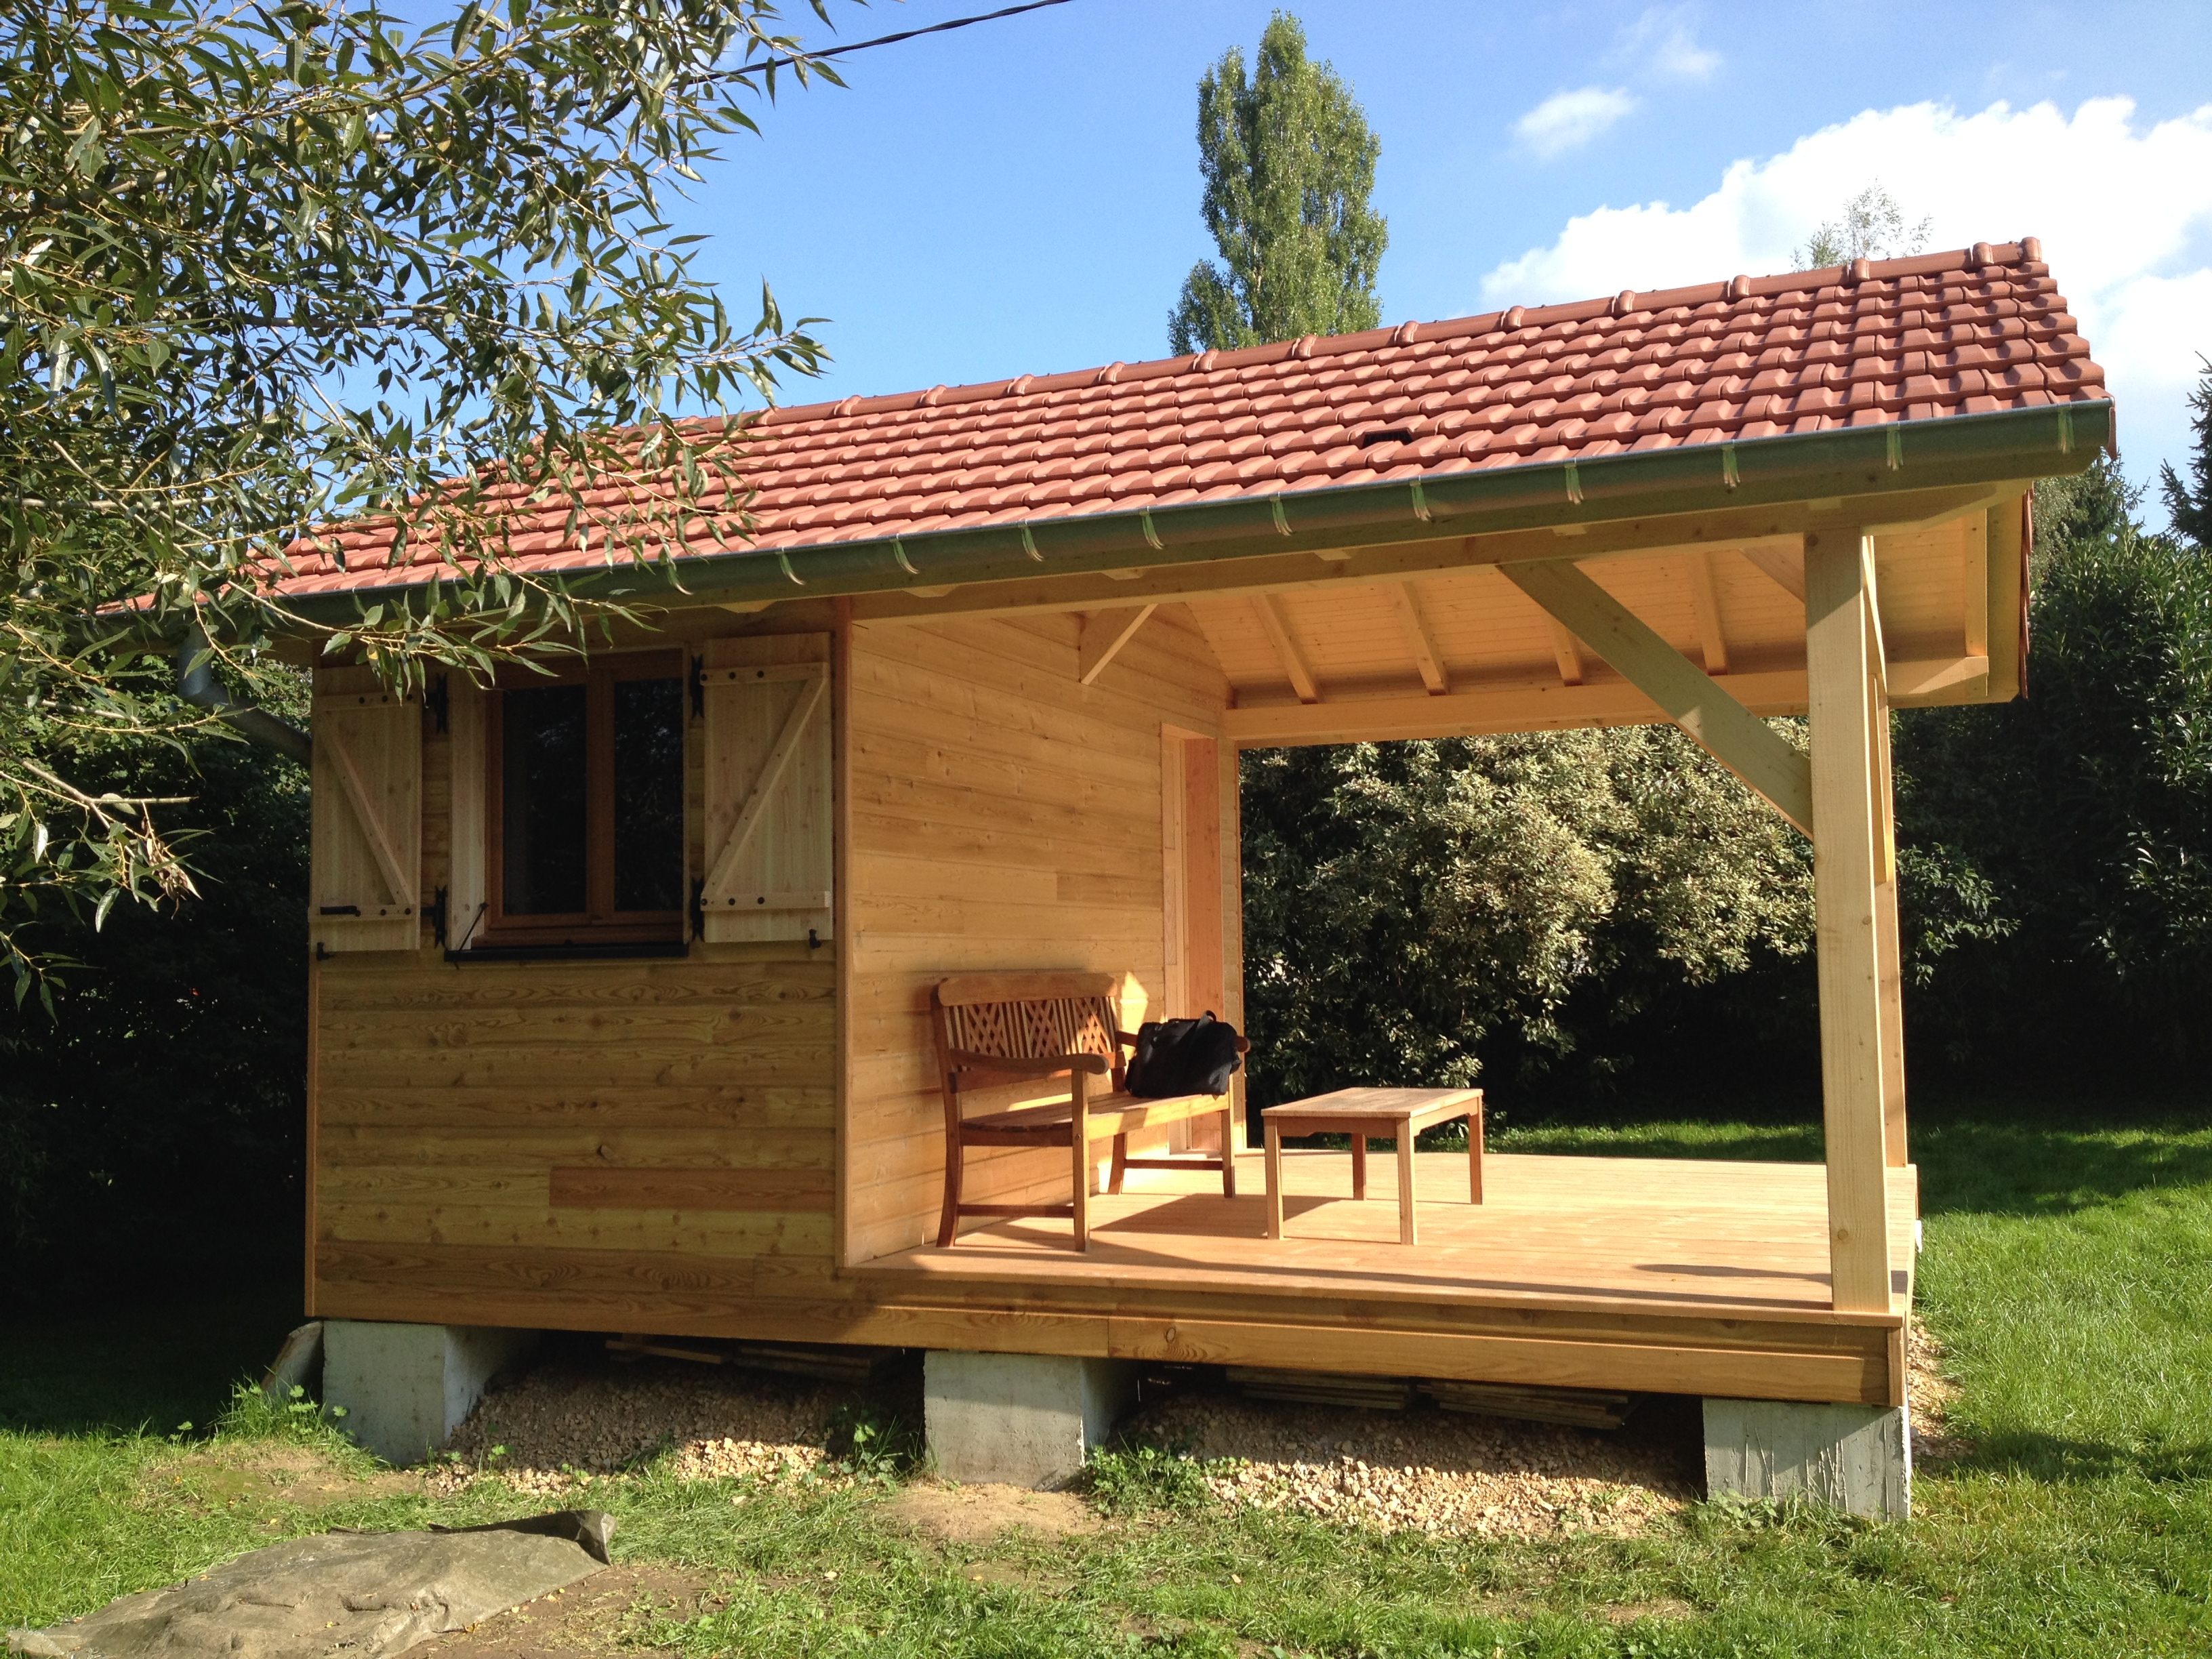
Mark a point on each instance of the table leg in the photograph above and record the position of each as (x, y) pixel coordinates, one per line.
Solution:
(1359, 1166)
(1406, 1230)
(1474, 1153)
(1274, 1136)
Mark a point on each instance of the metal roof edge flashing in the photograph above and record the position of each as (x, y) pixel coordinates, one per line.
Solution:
(1736, 472)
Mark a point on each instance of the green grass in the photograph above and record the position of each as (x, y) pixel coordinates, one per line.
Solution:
(2066, 1271)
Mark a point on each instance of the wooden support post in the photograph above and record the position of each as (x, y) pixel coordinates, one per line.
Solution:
(1887, 947)
(1839, 674)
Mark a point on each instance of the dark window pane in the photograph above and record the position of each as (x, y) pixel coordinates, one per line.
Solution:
(648, 795)
(542, 786)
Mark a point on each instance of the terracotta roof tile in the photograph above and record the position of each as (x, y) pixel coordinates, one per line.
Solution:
(1955, 333)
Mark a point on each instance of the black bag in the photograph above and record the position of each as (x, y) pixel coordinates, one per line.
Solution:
(1183, 1057)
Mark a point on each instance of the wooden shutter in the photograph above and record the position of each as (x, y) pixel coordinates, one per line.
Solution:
(366, 891)
(769, 863)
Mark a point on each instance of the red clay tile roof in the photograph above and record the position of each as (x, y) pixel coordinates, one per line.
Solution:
(1975, 331)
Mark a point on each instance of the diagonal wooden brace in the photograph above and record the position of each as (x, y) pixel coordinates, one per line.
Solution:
(1735, 737)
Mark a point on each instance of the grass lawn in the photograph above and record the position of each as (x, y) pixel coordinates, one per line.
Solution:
(2066, 1272)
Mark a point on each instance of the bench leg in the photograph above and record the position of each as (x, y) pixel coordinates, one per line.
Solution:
(1407, 1234)
(1082, 1184)
(1229, 1151)
(948, 1225)
(1359, 1166)
(1121, 1164)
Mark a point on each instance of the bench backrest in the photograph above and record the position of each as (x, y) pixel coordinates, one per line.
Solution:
(1027, 1017)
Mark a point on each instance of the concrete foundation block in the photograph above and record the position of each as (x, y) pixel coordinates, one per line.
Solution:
(1024, 1418)
(1857, 1457)
(405, 1388)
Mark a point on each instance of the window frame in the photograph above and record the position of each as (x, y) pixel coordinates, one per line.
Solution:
(599, 922)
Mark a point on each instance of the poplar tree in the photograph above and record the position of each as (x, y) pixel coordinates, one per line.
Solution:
(1289, 163)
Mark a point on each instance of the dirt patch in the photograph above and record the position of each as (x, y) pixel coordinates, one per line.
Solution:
(1929, 1396)
(260, 1473)
(607, 1611)
(976, 1514)
(577, 1416)
(1434, 1470)
(1666, 1607)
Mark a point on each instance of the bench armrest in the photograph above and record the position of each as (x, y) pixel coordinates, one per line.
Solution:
(965, 1060)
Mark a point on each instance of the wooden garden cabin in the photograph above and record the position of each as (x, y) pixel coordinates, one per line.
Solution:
(621, 982)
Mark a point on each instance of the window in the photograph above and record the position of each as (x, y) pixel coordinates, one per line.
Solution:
(585, 799)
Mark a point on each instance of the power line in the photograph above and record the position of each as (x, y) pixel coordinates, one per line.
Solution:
(906, 34)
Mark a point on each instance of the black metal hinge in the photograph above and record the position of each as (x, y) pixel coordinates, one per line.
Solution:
(699, 688)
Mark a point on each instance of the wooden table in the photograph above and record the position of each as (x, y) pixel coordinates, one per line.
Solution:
(1359, 1113)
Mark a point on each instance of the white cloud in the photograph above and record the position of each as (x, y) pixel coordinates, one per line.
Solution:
(1567, 120)
(1662, 44)
(2123, 212)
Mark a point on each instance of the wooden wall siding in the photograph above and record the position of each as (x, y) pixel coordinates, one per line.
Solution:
(1002, 816)
(558, 1143)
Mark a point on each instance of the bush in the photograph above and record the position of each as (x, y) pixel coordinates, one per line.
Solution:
(150, 1126)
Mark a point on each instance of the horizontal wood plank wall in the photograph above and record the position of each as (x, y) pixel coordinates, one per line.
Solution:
(572, 1144)
(1003, 815)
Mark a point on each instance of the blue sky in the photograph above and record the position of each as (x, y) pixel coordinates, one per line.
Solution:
(1022, 196)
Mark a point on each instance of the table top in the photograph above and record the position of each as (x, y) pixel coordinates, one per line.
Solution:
(1381, 1103)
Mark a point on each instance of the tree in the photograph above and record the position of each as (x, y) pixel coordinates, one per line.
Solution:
(265, 266)
(2056, 852)
(1415, 912)
(2189, 502)
(153, 1126)
(1289, 163)
(1873, 227)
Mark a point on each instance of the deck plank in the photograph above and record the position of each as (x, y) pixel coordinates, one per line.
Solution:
(1694, 1237)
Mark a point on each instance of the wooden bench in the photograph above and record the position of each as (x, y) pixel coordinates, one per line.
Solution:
(998, 1028)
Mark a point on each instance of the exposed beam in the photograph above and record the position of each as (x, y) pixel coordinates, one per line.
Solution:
(1707, 598)
(1104, 632)
(1933, 518)
(1542, 706)
(1526, 707)
(1368, 565)
(1426, 657)
(1294, 661)
(1846, 780)
(1784, 566)
(1566, 652)
(1735, 736)
(1974, 582)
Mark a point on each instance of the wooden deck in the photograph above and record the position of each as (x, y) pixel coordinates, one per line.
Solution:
(1696, 1277)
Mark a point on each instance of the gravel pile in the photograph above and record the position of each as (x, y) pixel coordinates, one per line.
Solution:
(577, 1416)
(1428, 1470)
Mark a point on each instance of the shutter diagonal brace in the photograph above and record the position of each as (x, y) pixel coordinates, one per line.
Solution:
(372, 827)
(771, 774)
